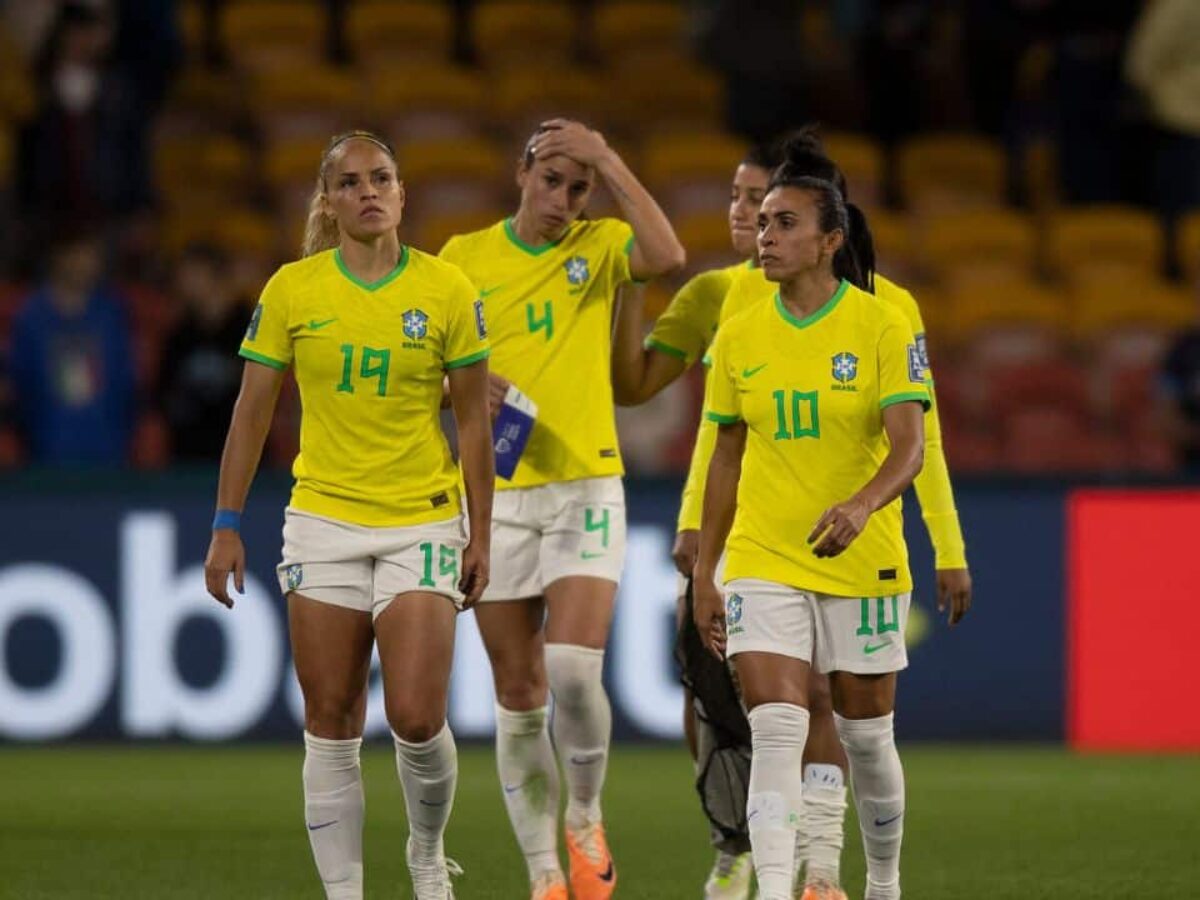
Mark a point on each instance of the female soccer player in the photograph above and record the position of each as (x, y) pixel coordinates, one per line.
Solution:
(548, 277)
(679, 336)
(374, 546)
(819, 396)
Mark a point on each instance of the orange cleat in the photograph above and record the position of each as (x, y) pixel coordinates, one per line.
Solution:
(548, 886)
(593, 875)
(822, 891)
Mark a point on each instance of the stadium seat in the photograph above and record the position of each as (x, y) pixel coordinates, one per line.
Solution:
(311, 101)
(192, 31)
(1187, 246)
(525, 34)
(201, 101)
(631, 32)
(895, 255)
(195, 172)
(971, 450)
(7, 157)
(427, 100)
(1007, 322)
(1047, 440)
(379, 32)
(862, 162)
(460, 175)
(985, 240)
(439, 227)
(1007, 388)
(691, 173)
(951, 171)
(262, 35)
(705, 236)
(658, 97)
(1133, 304)
(237, 230)
(1107, 240)
(523, 99)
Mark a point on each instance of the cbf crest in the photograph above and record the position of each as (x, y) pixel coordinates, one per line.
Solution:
(845, 370)
(733, 610)
(416, 324)
(295, 576)
(577, 271)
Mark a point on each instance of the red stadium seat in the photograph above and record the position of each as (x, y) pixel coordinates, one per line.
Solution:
(1045, 439)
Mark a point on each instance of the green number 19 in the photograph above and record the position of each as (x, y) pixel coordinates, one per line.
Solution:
(374, 364)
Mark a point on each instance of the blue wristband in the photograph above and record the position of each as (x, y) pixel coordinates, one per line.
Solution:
(227, 518)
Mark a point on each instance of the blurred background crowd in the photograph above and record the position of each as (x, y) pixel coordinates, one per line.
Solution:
(1030, 170)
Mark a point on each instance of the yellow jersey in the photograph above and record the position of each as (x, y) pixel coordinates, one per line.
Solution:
(369, 361)
(812, 393)
(549, 311)
(689, 323)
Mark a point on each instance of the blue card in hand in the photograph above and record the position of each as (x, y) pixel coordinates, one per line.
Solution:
(511, 431)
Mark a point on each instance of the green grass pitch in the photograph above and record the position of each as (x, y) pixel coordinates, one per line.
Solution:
(983, 822)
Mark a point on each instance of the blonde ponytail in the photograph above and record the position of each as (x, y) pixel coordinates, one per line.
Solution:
(321, 230)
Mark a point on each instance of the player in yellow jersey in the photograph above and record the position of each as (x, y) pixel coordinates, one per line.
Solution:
(548, 278)
(639, 373)
(374, 542)
(820, 397)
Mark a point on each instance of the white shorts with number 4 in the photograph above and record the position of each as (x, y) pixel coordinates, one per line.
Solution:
(552, 531)
(364, 568)
(862, 635)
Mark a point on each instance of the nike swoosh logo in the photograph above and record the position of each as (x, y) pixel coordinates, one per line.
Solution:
(873, 648)
(587, 554)
(584, 760)
(425, 802)
(489, 291)
(750, 373)
(513, 788)
(322, 825)
(607, 874)
(314, 325)
(879, 823)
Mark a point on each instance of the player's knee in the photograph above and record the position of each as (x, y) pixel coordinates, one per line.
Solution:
(416, 726)
(333, 718)
(520, 686)
(574, 673)
(866, 738)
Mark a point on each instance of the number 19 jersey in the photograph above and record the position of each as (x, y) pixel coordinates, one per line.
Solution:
(549, 312)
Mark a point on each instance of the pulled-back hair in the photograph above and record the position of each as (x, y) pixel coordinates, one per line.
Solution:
(803, 162)
(321, 231)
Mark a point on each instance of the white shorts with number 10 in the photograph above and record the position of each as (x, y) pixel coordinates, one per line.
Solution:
(551, 531)
(862, 635)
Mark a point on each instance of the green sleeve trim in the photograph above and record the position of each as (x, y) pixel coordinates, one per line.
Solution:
(916, 396)
(629, 244)
(652, 344)
(722, 420)
(707, 360)
(469, 360)
(259, 358)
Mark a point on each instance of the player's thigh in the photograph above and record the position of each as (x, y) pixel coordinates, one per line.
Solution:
(513, 637)
(424, 558)
(579, 611)
(517, 523)
(331, 650)
(860, 644)
(415, 635)
(769, 632)
(863, 696)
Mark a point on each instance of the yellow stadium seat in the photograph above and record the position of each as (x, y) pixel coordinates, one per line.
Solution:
(861, 161)
(1151, 305)
(523, 99)
(312, 101)
(691, 173)
(453, 175)
(892, 234)
(194, 171)
(274, 34)
(983, 238)
(630, 32)
(705, 236)
(235, 229)
(1187, 245)
(426, 100)
(525, 33)
(1105, 239)
(656, 98)
(378, 32)
(1007, 322)
(951, 171)
(436, 229)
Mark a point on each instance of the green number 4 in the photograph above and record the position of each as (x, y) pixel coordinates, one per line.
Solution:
(593, 523)
(537, 324)
(447, 564)
(374, 364)
(806, 419)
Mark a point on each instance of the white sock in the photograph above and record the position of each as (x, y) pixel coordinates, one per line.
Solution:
(428, 773)
(582, 727)
(333, 811)
(824, 816)
(878, 782)
(529, 780)
(774, 809)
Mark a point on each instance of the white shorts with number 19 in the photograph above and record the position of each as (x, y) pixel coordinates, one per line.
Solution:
(365, 568)
(862, 635)
(544, 533)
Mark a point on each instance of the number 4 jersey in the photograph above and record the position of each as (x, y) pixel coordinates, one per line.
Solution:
(812, 393)
(369, 361)
(549, 309)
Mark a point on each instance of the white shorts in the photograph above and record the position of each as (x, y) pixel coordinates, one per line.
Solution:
(365, 568)
(551, 531)
(864, 636)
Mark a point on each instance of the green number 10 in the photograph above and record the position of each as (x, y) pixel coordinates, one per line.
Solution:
(806, 420)
(374, 364)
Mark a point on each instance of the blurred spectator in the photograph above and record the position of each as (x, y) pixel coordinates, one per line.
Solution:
(72, 370)
(200, 371)
(1164, 65)
(82, 155)
(1180, 380)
